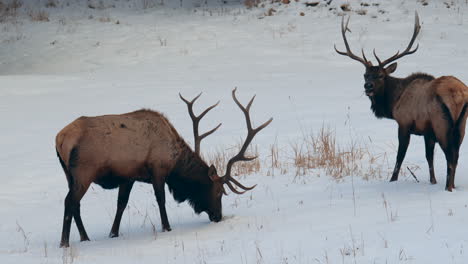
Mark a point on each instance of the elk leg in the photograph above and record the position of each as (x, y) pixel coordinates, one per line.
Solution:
(430, 144)
(72, 209)
(449, 158)
(122, 201)
(454, 168)
(403, 142)
(454, 148)
(67, 218)
(77, 214)
(158, 186)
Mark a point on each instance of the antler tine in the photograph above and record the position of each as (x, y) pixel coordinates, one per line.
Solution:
(196, 121)
(233, 189)
(364, 57)
(377, 57)
(348, 52)
(407, 51)
(251, 132)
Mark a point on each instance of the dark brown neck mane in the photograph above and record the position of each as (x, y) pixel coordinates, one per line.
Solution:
(189, 180)
(382, 105)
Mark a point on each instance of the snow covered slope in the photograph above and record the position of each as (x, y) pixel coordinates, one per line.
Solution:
(119, 56)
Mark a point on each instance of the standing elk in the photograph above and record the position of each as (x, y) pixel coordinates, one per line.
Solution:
(117, 150)
(419, 103)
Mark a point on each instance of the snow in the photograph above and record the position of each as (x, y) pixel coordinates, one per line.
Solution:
(75, 64)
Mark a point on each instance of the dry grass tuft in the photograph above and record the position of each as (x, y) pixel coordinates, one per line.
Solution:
(220, 158)
(321, 151)
(313, 154)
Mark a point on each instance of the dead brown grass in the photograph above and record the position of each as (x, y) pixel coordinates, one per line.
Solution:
(220, 159)
(313, 154)
(321, 151)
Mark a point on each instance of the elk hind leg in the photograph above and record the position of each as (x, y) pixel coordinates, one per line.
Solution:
(122, 201)
(72, 209)
(430, 144)
(457, 139)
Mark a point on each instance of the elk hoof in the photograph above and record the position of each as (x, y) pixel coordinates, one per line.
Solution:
(393, 179)
(112, 235)
(64, 244)
(433, 181)
(168, 229)
(449, 189)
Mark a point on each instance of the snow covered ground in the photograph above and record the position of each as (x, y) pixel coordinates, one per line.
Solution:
(125, 55)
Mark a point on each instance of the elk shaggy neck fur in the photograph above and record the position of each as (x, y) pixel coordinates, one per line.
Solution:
(189, 181)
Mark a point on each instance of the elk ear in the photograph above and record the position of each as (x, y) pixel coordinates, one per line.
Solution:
(212, 173)
(391, 68)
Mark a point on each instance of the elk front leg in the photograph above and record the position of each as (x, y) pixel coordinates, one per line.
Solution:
(122, 201)
(403, 142)
(430, 144)
(158, 186)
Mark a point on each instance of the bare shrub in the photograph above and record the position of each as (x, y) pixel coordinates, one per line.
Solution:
(9, 10)
(104, 19)
(96, 4)
(252, 3)
(271, 11)
(345, 7)
(146, 4)
(41, 16)
(51, 3)
(26, 240)
(361, 12)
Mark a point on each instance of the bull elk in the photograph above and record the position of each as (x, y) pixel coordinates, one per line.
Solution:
(117, 150)
(421, 105)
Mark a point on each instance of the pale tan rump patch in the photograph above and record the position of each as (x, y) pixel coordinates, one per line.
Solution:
(453, 93)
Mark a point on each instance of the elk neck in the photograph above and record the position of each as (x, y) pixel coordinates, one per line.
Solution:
(189, 180)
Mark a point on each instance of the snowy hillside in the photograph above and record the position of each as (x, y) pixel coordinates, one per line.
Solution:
(63, 59)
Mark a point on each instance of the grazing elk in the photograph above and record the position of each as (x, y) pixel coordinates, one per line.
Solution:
(117, 150)
(421, 105)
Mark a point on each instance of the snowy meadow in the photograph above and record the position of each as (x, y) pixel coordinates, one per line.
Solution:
(324, 163)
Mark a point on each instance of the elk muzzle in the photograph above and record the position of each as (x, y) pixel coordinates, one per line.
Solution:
(369, 88)
(215, 217)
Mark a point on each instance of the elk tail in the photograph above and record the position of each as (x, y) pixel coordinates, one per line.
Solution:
(457, 126)
(461, 117)
(447, 114)
(73, 156)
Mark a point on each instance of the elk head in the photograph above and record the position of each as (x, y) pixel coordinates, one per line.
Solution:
(216, 189)
(375, 76)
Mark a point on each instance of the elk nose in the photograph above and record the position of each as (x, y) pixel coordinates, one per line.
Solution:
(368, 86)
(215, 218)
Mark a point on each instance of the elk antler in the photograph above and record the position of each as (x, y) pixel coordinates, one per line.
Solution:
(251, 132)
(407, 51)
(348, 52)
(196, 121)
